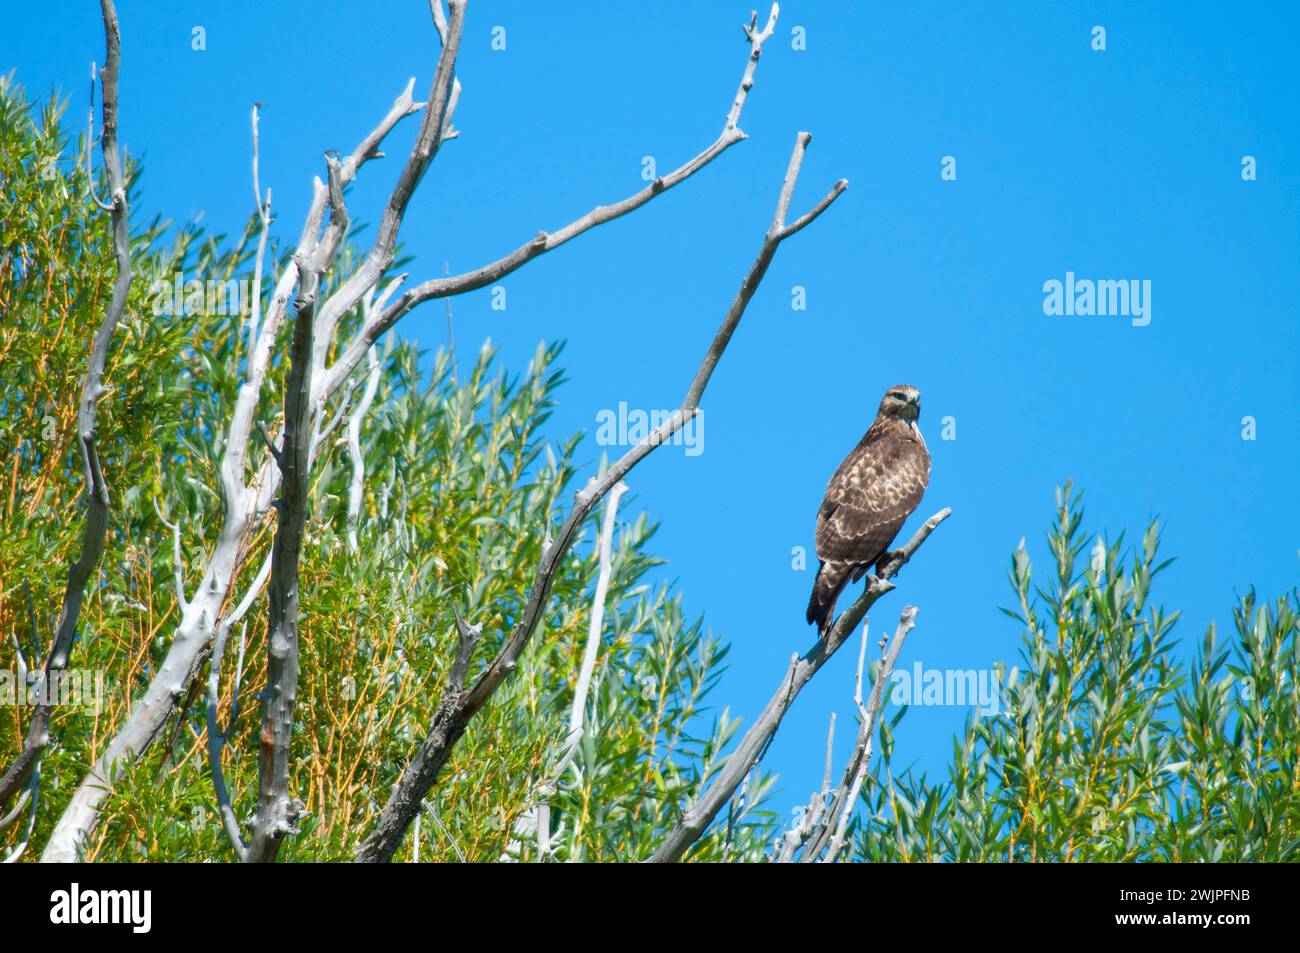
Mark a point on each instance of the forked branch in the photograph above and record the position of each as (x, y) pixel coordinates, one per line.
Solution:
(821, 836)
(457, 708)
(750, 750)
(731, 133)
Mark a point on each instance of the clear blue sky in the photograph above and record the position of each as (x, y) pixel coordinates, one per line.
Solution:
(1123, 164)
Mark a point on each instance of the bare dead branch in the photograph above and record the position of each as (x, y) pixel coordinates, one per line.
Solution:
(429, 139)
(821, 832)
(216, 742)
(831, 839)
(549, 241)
(30, 798)
(178, 570)
(269, 442)
(278, 811)
(811, 817)
(456, 708)
(193, 638)
(443, 27)
(37, 738)
(468, 636)
(750, 750)
(264, 216)
(356, 484)
(246, 500)
(582, 687)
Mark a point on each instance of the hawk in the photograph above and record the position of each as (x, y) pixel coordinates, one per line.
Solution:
(868, 499)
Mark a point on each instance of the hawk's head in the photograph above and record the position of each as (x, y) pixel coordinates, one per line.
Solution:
(901, 402)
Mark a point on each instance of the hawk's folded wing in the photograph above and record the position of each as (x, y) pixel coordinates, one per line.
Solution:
(868, 499)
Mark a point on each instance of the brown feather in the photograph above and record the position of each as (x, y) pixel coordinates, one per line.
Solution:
(879, 484)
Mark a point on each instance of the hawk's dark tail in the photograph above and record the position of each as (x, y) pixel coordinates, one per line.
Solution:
(832, 577)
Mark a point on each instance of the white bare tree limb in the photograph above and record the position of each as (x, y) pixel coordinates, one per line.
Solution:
(247, 498)
(582, 687)
(578, 712)
(29, 798)
(356, 485)
(811, 814)
(243, 501)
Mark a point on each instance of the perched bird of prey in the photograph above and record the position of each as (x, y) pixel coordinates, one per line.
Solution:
(868, 499)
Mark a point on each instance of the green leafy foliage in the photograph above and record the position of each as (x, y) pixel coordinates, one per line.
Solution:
(461, 487)
(1108, 747)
